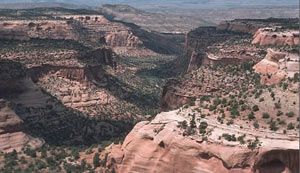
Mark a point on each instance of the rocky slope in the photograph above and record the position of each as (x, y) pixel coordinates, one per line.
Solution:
(50, 119)
(198, 40)
(76, 86)
(94, 28)
(277, 66)
(273, 36)
(230, 42)
(163, 145)
(12, 135)
(231, 105)
(89, 28)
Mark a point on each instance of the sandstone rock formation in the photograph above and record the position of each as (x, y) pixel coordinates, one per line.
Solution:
(277, 66)
(115, 34)
(11, 135)
(230, 42)
(162, 146)
(25, 30)
(198, 40)
(12, 79)
(271, 36)
(47, 117)
(94, 28)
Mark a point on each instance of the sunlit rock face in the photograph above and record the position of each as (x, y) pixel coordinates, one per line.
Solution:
(275, 36)
(161, 146)
(277, 66)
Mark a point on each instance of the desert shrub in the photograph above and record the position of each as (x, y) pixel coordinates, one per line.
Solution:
(255, 108)
(96, 160)
(205, 98)
(253, 144)
(279, 113)
(281, 122)
(182, 124)
(40, 164)
(290, 114)
(251, 116)
(272, 94)
(30, 152)
(241, 139)
(273, 126)
(193, 122)
(290, 126)
(256, 125)
(220, 120)
(229, 137)
(212, 107)
(202, 127)
(285, 86)
(265, 115)
(277, 105)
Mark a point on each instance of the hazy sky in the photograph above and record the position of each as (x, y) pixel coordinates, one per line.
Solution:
(179, 3)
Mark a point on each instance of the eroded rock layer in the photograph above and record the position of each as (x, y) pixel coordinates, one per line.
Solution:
(162, 146)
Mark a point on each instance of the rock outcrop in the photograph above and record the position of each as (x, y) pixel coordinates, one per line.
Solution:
(238, 26)
(251, 26)
(273, 36)
(43, 115)
(11, 135)
(198, 41)
(162, 146)
(277, 66)
(24, 30)
(115, 34)
(89, 28)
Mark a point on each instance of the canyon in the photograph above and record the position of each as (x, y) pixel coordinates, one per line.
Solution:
(212, 121)
(83, 87)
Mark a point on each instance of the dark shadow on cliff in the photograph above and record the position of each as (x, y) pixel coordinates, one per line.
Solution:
(60, 125)
(46, 117)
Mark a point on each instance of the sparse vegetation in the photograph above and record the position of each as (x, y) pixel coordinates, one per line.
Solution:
(255, 108)
(265, 115)
(290, 114)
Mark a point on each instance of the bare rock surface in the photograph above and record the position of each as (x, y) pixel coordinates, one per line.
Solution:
(11, 135)
(160, 145)
(270, 36)
(277, 66)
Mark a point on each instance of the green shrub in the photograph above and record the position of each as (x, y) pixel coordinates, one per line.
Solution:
(253, 144)
(265, 115)
(273, 126)
(279, 113)
(277, 105)
(255, 108)
(241, 139)
(290, 126)
(290, 114)
(251, 116)
(96, 160)
(229, 137)
(256, 125)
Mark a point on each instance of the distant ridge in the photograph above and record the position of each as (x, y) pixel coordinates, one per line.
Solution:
(30, 5)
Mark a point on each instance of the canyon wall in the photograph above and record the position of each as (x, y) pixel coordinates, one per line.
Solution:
(12, 136)
(89, 28)
(270, 36)
(198, 41)
(42, 115)
(277, 66)
(160, 145)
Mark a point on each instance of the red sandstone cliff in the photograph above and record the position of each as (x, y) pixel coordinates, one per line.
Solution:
(161, 146)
